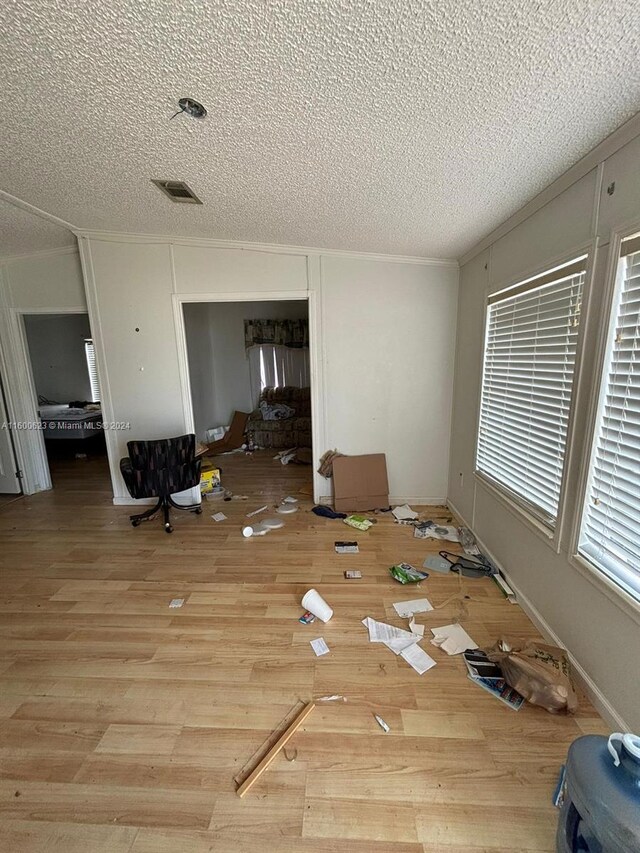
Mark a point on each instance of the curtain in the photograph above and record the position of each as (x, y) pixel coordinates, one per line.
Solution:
(286, 333)
(277, 366)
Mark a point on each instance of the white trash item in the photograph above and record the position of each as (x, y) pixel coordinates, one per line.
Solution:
(315, 603)
(254, 530)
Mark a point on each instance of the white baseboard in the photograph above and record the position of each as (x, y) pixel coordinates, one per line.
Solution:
(584, 680)
(134, 501)
(395, 500)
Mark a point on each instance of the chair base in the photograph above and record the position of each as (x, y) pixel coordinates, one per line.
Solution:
(164, 503)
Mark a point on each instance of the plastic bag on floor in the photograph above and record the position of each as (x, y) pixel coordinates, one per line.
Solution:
(540, 673)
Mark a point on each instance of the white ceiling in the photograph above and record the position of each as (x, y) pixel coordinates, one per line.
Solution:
(22, 233)
(402, 126)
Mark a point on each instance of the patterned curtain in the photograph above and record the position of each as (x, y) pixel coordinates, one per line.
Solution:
(284, 333)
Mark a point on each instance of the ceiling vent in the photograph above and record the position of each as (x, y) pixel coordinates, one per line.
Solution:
(177, 191)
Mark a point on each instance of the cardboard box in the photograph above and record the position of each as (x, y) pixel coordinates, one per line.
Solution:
(360, 483)
(209, 479)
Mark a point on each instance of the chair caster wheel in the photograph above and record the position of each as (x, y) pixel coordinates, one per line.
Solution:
(135, 522)
(199, 511)
(168, 528)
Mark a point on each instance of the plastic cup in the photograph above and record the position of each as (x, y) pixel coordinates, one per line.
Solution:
(254, 530)
(315, 603)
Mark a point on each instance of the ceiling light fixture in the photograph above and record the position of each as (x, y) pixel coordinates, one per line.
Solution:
(191, 108)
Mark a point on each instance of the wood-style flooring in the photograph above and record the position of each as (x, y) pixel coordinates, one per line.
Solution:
(123, 723)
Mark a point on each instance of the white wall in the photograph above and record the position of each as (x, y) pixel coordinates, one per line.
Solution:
(45, 283)
(218, 363)
(598, 626)
(382, 342)
(57, 351)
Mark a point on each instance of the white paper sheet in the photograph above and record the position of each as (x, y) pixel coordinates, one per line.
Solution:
(393, 638)
(416, 605)
(319, 647)
(219, 516)
(176, 602)
(404, 512)
(418, 659)
(452, 639)
(418, 630)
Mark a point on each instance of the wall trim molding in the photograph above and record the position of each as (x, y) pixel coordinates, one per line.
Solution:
(37, 211)
(43, 253)
(596, 696)
(271, 248)
(592, 160)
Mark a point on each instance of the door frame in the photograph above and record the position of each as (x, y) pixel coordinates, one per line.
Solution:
(318, 409)
(31, 452)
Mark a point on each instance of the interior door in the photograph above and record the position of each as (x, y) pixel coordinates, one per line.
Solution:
(9, 483)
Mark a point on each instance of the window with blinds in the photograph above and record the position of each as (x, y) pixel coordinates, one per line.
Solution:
(610, 530)
(529, 360)
(93, 370)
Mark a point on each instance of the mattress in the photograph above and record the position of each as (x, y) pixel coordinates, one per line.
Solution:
(63, 422)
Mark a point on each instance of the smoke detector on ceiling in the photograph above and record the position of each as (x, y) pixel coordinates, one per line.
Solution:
(177, 191)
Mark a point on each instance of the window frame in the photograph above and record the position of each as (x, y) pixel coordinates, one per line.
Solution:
(597, 577)
(552, 536)
(89, 342)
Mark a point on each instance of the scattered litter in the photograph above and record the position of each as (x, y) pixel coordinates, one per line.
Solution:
(559, 792)
(307, 618)
(290, 500)
(504, 588)
(256, 511)
(272, 523)
(327, 512)
(360, 483)
(358, 521)
(417, 658)
(353, 574)
(468, 542)
(393, 638)
(336, 697)
(416, 629)
(452, 639)
(488, 675)
(286, 456)
(382, 723)
(314, 602)
(469, 567)
(217, 494)
(404, 512)
(405, 573)
(319, 647)
(346, 548)
(437, 564)
(294, 754)
(416, 605)
(219, 516)
(539, 672)
(254, 530)
(326, 463)
(81, 456)
(287, 509)
(176, 602)
(431, 530)
(280, 744)
(239, 498)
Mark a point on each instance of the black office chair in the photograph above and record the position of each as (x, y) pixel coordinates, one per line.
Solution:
(159, 469)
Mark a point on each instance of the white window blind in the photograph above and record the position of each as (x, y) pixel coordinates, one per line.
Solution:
(93, 370)
(610, 531)
(529, 359)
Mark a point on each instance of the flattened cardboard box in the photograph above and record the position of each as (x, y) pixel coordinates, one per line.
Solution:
(360, 482)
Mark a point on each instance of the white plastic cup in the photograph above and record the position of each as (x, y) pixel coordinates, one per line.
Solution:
(315, 603)
(254, 530)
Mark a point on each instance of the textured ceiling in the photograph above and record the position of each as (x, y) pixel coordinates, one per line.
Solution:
(22, 232)
(402, 126)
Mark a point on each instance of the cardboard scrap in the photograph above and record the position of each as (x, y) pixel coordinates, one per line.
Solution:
(360, 482)
(452, 639)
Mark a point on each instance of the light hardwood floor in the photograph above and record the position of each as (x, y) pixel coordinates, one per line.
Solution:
(124, 722)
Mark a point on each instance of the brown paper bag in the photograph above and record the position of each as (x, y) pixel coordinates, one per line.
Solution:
(540, 673)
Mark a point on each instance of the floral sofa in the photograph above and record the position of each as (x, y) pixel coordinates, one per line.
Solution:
(294, 431)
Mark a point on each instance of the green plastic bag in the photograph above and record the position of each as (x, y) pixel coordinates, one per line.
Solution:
(404, 573)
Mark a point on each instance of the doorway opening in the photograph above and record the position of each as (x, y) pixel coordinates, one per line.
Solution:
(67, 390)
(249, 365)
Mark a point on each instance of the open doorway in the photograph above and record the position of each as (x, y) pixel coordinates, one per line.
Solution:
(253, 357)
(66, 384)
